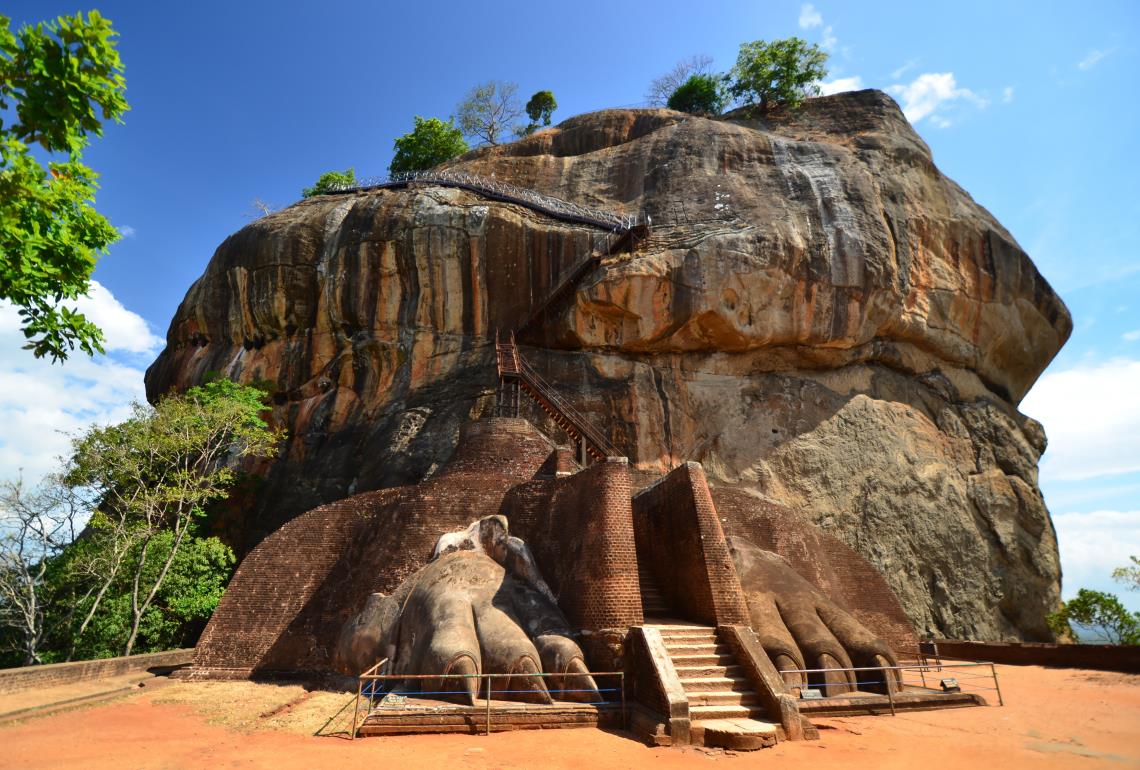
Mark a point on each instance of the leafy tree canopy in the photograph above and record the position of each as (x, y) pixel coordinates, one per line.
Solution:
(430, 143)
(330, 180)
(700, 95)
(541, 107)
(1100, 615)
(782, 72)
(59, 81)
(141, 572)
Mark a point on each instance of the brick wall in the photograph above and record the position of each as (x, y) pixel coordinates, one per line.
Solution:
(1099, 657)
(679, 537)
(284, 608)
(580, 529)
(54, 674)
(830, 565)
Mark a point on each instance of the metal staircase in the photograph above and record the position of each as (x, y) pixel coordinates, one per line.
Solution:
(517, 376)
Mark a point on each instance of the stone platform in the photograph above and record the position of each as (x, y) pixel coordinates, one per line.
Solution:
(423, 715)
(866, 703)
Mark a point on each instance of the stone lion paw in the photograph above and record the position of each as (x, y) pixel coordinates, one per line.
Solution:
(480, 606)
(800, 628)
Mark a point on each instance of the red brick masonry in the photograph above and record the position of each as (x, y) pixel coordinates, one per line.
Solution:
(1100, 657)
(680, 539)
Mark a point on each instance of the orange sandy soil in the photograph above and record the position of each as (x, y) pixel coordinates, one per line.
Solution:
(1052, 718)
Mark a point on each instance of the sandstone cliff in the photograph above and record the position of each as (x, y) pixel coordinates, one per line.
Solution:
(819, 316)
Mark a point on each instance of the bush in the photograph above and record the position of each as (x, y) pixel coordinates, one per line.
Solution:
(700, 95)
(430, 143)
(782, 72)
(328, 181)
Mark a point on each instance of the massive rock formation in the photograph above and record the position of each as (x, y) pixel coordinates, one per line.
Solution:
(819, 316)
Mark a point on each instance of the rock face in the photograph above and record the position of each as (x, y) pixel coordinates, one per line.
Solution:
(818, 316)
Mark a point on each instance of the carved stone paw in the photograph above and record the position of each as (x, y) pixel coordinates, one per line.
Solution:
(479, 607)
(800, 628)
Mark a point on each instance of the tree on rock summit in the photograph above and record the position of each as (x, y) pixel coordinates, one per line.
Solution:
(330, 181)
(782, 72)
(699, 95)
(430, 143)
(488, 111)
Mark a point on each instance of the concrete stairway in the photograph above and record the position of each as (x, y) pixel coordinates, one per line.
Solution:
(723, 708)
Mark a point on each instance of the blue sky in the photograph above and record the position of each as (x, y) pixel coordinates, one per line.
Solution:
(1030, 106)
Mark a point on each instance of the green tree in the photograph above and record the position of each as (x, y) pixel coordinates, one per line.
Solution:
(782, 72)
(59, 81)
(700, 95)
(1100, 615)
(330, 181)
(430, 143)
(156, 472)
(488, 111)
(1129, 575)
(192, 588)
(540, 108)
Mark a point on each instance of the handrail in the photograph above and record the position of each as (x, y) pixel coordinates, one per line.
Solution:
(488, 691)
(512, 365)
(555, 207)
(920, 668)
(368, 673)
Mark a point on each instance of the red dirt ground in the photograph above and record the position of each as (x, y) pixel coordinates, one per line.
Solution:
(1053, 719)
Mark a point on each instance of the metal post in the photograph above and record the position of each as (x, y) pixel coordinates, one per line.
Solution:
(356, 711)
(488, 705)
(624, 713)
(993, 673)
(922, 672)
(890, 690)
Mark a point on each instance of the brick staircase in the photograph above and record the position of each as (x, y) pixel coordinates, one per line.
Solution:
(653, 603)
(723, 708)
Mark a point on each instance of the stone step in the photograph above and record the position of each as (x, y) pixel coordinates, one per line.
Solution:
(687, 647)
(740, 734)
(677, 626)
(724, 712)
(716, 684)
(689, 640)
(693, 634)
(726, 698)
(730, 671)
(688, 660)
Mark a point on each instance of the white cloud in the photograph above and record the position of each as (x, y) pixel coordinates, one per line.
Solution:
(829, 39)
(41, 402)
(1007, 95)
(1091, 414)
(840, 84)
(931, 92)
(124, 330)
(1131, 336)
(904, 69)
(1092, 545)
(127, 231)
(809, 16)
(1093, 57)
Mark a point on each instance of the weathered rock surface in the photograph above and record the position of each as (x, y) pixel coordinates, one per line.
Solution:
(819, 317)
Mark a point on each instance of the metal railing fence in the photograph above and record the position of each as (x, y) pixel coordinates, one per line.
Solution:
(911, 678)
(555, 207)
(370, 689)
